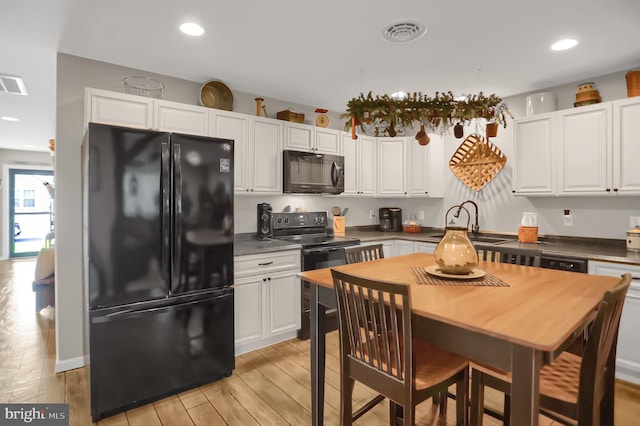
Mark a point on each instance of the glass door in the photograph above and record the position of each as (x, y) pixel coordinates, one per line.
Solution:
(31, 220)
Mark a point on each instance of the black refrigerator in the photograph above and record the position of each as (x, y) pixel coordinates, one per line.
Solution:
(158, 267)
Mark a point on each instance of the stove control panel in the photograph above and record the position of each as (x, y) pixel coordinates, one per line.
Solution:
(299, 220)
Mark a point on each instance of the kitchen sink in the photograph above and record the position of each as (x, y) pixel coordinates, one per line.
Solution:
(477, 239)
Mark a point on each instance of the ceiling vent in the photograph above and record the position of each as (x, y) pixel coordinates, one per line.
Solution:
(10, 84)
(404, 32)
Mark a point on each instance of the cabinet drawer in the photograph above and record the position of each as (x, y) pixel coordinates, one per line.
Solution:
(260, 263)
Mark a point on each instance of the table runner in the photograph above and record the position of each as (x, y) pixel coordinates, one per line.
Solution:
(423, 277)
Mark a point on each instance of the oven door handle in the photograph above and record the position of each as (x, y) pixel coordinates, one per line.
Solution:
(322, 250)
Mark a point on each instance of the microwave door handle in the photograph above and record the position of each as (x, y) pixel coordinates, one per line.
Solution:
(335, 174)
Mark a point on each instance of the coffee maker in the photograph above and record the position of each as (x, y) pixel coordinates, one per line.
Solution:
(390, 219)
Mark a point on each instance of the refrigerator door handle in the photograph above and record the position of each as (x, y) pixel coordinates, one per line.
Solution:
(165, 214)
(177, 218)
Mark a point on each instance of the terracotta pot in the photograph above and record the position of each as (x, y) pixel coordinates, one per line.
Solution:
(492, 130)
(458, 130)
(422, 136)
(353, 128)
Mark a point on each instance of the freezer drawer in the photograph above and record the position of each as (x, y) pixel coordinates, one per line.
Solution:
(144, 352)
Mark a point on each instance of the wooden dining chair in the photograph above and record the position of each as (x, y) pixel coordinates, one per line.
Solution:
(390, 362)
(364, 253)
(513, 255)
(572, 387)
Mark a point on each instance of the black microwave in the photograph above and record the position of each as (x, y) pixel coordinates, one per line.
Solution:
(311, 173)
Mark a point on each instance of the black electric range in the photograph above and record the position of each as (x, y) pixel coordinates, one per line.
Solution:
(320, 249)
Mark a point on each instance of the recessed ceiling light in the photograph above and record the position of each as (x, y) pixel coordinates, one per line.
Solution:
(29, 146)
(192, 29)
(565, 44)
(10, 118)
(404, 31)
(399, 95)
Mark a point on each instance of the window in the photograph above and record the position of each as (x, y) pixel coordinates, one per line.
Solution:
(29, 198)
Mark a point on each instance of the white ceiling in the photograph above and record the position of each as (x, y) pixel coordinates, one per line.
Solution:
(319, 53)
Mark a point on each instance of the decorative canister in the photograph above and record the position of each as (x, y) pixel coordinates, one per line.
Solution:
(455, 254)
(587, 95)
(539, 103)
(633, 239)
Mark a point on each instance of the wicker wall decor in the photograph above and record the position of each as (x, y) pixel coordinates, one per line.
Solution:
(477, 161)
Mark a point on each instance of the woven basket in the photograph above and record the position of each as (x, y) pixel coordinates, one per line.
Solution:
(477, 161)
(411, 228)
(633, 83)
(528, 234)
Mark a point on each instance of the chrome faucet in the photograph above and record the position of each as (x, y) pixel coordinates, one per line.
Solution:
(475, 227)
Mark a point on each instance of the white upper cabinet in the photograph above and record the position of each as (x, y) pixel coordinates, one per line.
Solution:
(121, 109)
(328, 140)
(180, 118)
(589, 150)
(359, 165)
(425, 167)
(266, 161)
(533, 155)
(231, 125)
(303, 137)
(392, 159)
(585, 137)
(257, 150)
(626, 146)
(408, 169)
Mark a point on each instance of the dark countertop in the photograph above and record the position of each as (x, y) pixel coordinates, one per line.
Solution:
(245, 244)
(606, 250)
(591, 248)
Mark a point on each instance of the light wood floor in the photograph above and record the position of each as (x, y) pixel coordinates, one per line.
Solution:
(269, 386)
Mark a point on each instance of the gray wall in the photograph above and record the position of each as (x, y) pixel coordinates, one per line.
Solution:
(22, 159)
(606, 217)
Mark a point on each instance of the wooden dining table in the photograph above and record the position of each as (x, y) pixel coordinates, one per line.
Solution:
(518, 327)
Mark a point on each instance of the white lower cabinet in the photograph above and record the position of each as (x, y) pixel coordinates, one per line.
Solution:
(424, 247)
(387, 246)
(267, 299)
(403, 247)
(628, 351)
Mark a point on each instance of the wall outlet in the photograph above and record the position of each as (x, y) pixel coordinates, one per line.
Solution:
(634, 221)
(420, 214)
(371, 215)
(568, 220)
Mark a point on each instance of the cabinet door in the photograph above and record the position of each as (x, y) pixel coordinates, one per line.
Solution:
(234, 126)
(419, 170)
(327, 141)
(387, 246)
(267, 156)
(350, 151)
(626, 146)
(119, 109)
(585, 150)
(299, 137)
(367, 165)
(628, 350)
(403, 247)
(249, 309)
(180, 118)
(533, 155)
(284, 303)
(425, 247)
(391, 166)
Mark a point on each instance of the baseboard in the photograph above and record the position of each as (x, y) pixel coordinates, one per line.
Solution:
(253, 345)
(69, 364)
(628, 371)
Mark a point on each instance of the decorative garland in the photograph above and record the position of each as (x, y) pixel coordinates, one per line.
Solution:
(384, 114)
